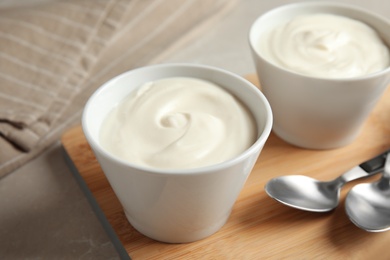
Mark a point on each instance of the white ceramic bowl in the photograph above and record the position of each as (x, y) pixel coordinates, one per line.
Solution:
(310, 112)
(176, 206)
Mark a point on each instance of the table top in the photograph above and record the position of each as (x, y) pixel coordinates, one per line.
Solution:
(44, 213)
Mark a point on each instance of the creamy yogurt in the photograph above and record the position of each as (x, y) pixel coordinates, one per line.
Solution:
(326, 46)
(178, 123)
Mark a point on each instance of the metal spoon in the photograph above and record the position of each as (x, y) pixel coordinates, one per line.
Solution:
(368, 205)
(309, 194)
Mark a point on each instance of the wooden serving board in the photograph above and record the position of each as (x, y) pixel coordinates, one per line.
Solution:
(259, 227)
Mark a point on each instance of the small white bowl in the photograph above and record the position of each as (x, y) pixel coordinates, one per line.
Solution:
(176, 206)
(312, 112)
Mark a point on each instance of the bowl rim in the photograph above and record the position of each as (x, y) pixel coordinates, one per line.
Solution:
(303, 5)
(257, 145)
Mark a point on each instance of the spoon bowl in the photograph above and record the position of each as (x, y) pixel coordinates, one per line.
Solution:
(304, 193)
(368, 205)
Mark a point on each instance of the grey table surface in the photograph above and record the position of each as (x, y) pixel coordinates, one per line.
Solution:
(43, 212)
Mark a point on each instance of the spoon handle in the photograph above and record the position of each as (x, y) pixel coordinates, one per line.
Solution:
(368, 168)
(375, 164)
(386, 171)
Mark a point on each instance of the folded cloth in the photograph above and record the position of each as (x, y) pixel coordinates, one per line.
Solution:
(54, 55)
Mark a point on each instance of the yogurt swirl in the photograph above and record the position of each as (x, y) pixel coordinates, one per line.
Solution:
(178, 123)
(326, 46)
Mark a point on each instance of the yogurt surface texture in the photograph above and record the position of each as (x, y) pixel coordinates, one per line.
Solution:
(325, 46)
(178, 123)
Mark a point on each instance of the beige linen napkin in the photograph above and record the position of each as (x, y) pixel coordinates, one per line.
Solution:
(54, 55)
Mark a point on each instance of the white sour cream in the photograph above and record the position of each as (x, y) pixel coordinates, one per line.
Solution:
(326, 46)
(178, 123)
